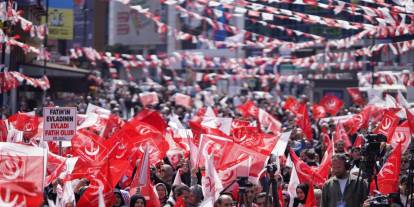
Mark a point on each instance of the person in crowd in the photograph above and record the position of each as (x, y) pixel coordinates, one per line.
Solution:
(119, 199)
(137, 201)
(301, 195)
(224, 200)
(162, 193)
(178, 191)
(195, 197)
(343, 189)
(260, 200)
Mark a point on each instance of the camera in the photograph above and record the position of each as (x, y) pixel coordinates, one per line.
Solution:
(384, 200)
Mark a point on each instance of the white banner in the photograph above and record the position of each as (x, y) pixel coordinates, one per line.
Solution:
(59, 123)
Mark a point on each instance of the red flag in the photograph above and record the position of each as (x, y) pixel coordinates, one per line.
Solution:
(326, 163)
(129, 142)
(88, 146)
(303, 121)
(215, 145)
(389, 174)
(152, 118)
(402, 135)
(252, 138)
(340, 134)
(318, 111)
(388, 124)
(292, 104)
(113, 124)
(248, 109)
(25, 122)
(356, 96)
(305, 173)
(332, 104)
(148, 98)
(22, 173)
(359, 142)
(55, 165)
(103, 174)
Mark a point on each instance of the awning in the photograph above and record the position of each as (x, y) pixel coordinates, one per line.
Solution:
(53, 70)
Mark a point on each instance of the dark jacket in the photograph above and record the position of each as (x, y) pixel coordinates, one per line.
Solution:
(356, 192)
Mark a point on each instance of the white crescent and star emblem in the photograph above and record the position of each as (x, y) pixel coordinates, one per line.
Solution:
(386, 124)
(7, 201)
(91, 151)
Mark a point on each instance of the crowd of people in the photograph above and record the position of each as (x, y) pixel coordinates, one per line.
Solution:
(182, 184)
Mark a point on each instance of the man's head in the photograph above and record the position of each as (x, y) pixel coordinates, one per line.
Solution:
(260, 200)
(224, 201)
(250, 192)
(339, 165)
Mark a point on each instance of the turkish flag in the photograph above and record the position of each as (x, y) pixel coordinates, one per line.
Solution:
(248, 109)
(148, 98)
(318, 111)
(152, 118)
(332, 104)
(388, 124)
(88, 146)
(292, 104)
(356, 95)
(390, 172)
(22, 173)
(303, 121)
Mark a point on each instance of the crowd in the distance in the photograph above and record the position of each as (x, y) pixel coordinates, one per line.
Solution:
(346, 185)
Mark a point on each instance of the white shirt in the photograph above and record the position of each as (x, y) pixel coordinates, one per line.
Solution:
(342, 184)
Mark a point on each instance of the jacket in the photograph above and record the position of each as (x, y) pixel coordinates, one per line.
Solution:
(356, 192)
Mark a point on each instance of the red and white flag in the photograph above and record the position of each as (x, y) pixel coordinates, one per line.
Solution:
(22, 172)
(148, 98)
(332, 104)
(356, 96)
(318, 111)
(88, 146)
(401, 136)
(142, 181)
(388, 124)
(390, 172)
(292, 104)
(211, 183)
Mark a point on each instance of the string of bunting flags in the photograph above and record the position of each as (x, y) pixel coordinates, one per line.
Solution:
(13, 79)
(15, 18)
